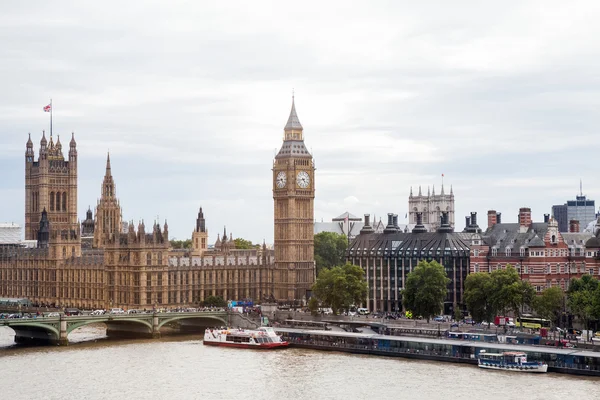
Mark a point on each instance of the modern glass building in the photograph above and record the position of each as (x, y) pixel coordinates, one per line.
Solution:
(580, 209)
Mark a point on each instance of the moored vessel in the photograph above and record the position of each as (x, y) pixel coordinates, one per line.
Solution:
(510, 361)
(261, 338)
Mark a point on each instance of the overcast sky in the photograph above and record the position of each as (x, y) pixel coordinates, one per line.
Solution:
(191, 99)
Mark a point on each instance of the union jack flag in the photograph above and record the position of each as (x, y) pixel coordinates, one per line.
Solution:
(48, 108)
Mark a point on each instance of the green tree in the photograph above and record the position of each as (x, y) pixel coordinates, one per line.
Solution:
(340, 287)
(244, 244)
(583, 298)
(425, 290)
(330, 250)
(478, 296)
(510, 292)
(550, 303)
(181, 244)
(214, 301)
(313, 305)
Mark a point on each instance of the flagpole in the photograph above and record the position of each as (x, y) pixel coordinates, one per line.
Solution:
(51, 111)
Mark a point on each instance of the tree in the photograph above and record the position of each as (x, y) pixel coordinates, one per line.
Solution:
(425, 290)
(340, 287)
(510, 292)
(330, 250)
(583, 298)
(214, 301)
(181, 244)
(478, 296)
(313, 305)
(550, 303)
(244, 244)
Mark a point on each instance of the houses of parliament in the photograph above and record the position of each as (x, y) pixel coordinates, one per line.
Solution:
(97, 264)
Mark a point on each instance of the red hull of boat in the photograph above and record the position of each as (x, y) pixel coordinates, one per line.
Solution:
(262, 346)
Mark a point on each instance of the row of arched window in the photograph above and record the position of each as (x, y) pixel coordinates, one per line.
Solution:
(55, 201)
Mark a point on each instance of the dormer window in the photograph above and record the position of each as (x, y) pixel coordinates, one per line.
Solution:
(508, 251)
(494, 252)
(522, 251)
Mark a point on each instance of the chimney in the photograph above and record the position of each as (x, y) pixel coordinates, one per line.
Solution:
(419, 227)
(546, 218)
(396, 222)
(499, 218)
(367, 227)
(493, 218)
(473, 218)
(525, 216)
(390, 225)
(467, 222)
(574, 226)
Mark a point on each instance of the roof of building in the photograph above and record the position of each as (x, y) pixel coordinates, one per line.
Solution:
(345, 215)
(509, 235)
(420, 245)
(576, 239)
(293, 121)
(10, 233)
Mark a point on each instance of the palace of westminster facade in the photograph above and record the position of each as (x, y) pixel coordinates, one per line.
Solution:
(97, 265)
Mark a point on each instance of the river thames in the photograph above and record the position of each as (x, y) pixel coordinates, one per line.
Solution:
(180, 367)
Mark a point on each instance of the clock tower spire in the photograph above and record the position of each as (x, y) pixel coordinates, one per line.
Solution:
(293, 196)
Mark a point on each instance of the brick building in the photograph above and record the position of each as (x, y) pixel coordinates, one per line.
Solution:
(541, 254)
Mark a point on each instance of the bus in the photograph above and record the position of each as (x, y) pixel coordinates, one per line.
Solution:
(532, 322)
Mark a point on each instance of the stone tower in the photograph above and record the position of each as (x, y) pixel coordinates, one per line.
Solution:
(200, 236)
(431, 206)
(108, 211)
(51, 184)
(293, 195)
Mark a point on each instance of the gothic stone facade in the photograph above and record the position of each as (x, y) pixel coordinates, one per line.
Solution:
(136, 269)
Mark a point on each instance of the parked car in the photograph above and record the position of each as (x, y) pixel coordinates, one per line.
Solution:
(439, 318)
(97, 312)
(117, 311)
(53, 315)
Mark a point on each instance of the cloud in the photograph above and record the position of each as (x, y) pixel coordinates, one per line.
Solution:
(191, 98)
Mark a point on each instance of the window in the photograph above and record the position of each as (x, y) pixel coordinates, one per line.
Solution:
(508, 251)
(148, 258)
(522, 252)
(494, 252)
(476, 253)
(476, 267)
(57, 201)
(51, 201)
(64, 201)
(553, 240)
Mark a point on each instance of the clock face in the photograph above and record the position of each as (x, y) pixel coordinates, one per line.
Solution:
(281, 180)
(303, 179)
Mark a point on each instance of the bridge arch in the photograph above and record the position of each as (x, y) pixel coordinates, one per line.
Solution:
(107, 320)
(40, 325)
(181, 316)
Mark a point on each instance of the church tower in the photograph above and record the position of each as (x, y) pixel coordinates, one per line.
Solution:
(293, 196)
(108, 211)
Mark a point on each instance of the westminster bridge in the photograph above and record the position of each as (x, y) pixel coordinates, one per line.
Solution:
(55, 330)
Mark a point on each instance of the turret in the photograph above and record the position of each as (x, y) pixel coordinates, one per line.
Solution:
(72, 149)
(29, 153)
(43, 146)
(166, 231)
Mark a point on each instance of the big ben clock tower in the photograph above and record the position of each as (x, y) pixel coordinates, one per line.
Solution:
(293, 195)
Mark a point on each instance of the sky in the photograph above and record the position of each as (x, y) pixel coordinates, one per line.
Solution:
(191, 98)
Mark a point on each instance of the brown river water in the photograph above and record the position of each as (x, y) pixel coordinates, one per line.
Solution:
(180, 367)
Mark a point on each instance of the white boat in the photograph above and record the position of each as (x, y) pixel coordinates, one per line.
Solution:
(510, 361)
(261, 338)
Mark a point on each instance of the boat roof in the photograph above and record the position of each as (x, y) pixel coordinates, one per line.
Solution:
(504, 347)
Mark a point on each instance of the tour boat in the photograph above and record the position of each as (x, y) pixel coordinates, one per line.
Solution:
(510, 361)
(261, 338)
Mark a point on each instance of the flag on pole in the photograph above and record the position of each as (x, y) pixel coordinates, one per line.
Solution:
(442, 175)
(48, 108)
